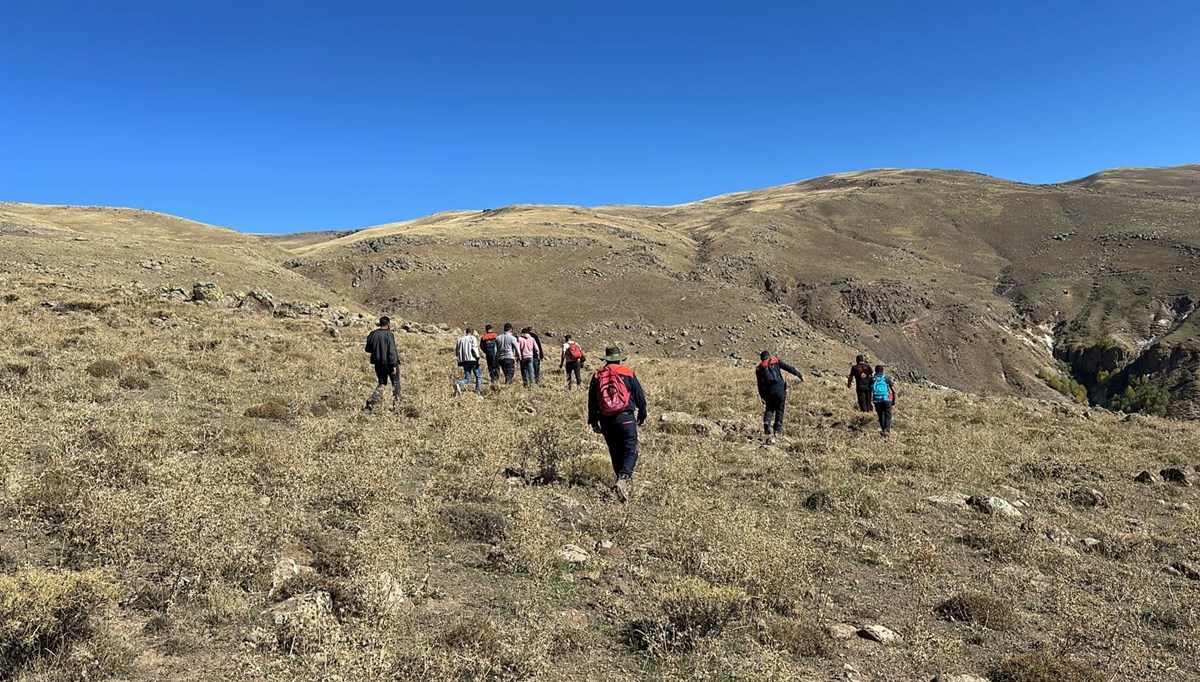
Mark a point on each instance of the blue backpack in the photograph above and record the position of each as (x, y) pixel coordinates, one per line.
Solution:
(879, 389)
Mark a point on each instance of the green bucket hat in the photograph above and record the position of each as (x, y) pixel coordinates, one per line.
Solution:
(613, 354)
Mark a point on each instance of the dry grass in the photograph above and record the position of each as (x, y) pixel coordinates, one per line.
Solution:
(1044, 667)
(731, 561)
(974, 607)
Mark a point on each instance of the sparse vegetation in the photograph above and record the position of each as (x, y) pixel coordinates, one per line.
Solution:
(268, 410)
(1065, 385)
(46, 615)
(1044, 667)
(1141, 396)
(975, 607)
(134, 382)
(105, 369)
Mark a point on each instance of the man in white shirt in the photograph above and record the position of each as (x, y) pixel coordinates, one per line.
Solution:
(467, 352)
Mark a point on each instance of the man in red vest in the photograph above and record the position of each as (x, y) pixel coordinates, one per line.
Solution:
(772, 388)
(616, 408)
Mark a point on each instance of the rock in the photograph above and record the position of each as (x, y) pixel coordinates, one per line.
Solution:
(1187, 569)
(1180, 506)
(994, 505)
(287, 569)
(955, 500)
(1175, 475)
(1145, 477)
(604, 547)
(207, 291)
(261, 301)
(878, 633)
(1084, 496)
(574, 554)
(303, 621)
(685, 424)
(1090, 544)
(429, 329)
(391, 595)
(842, 631)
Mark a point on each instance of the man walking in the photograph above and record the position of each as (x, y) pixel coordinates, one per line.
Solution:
(467, 352)
(572, 361)
(616, 408)
(537, 359)
(883, 393)
(529, 352)
(772, 389)
(508, 351)
(381, 344)
(861, 377)
(487, 344)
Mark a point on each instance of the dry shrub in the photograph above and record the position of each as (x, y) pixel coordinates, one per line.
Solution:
(17, 369)
(85, 306)
(480, 650)
(105, 369)
(550, 446)
(798, 638)
(1005, 544)
(44, 614)
(846, 500)
(479, 522)
(139, 360)
(134, 382)
(689, 609)
(979, 608)
(1043, 667)
(268, 410)
(588, 470)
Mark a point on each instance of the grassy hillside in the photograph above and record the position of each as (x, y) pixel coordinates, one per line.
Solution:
(962, 279)
(194, 493)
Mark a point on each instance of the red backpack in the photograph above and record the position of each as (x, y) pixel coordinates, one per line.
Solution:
(614, 392)
(574, 352)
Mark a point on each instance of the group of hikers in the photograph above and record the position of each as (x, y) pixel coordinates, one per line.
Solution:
(616, 400)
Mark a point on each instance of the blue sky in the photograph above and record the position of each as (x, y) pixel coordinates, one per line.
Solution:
(287, 115)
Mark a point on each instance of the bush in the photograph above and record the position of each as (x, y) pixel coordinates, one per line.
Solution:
(478, 522)
(47, 613)
(105, 369)
(588, 470)
(139, 360)
(550, 445)
(689, 610)
(1043, 667)
(1141, 396)
(858, 502)
(1065, 385)
(799, 638)
(134, 382)
(268, 410)
(982, 609)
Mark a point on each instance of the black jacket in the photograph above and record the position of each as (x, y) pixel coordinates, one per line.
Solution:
(381, 344)
(861, 375)
(769, 374)
(637, 397)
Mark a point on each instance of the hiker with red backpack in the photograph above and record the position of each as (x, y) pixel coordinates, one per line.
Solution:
(572, 359)
(883, 394)
(772, 389)
(616, 408)
(861, 377)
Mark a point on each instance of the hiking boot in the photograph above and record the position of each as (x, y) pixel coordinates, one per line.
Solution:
(624, 488)
(457, 390)
(769, 440)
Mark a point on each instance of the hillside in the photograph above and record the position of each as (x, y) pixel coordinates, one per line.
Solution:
(193, 493)
(77, 250)
(961, 279)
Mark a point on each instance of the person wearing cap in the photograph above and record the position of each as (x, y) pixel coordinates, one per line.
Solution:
(616, 408)
(772, 389)
(487, 343)
(381, 344)
(861, 376)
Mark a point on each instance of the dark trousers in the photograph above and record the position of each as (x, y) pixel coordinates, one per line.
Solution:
(620, 433)
(384, 374)
(537, 370)
(884, 411)
(773, 413)
(510, 369)
(527, 377)
(493, 367)
(574, 369)
(864, 399)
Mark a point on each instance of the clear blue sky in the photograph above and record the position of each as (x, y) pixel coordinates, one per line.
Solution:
(284, 115)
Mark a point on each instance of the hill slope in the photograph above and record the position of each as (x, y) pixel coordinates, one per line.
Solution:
(959, 278)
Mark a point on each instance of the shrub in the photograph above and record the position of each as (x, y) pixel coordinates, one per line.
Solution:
(858, 502)
(105, 369)
(1141, 396)
(588, 470)
(1008, 545)
(478, 522)
(982, 609)
(1065, 385)
(1043, 667)
(139, 360)
(133, 382)
(798, 638)
(268, 410)
(550, 445)
(47, 613)
(689, 610)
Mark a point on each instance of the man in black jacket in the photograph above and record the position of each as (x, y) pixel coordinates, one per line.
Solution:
(861, 375)
(616, 408)
(381, 344)
(772, 388)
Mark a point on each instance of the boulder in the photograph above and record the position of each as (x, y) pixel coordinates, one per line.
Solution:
(303, 622)
(878, 633)
(261, 301)
(286, 570)
(1175, 475)
(574, 554)
(842, 631)
(1145, 477)
(685, 424)
(994, 505)
(952, 500)
(207, 291)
